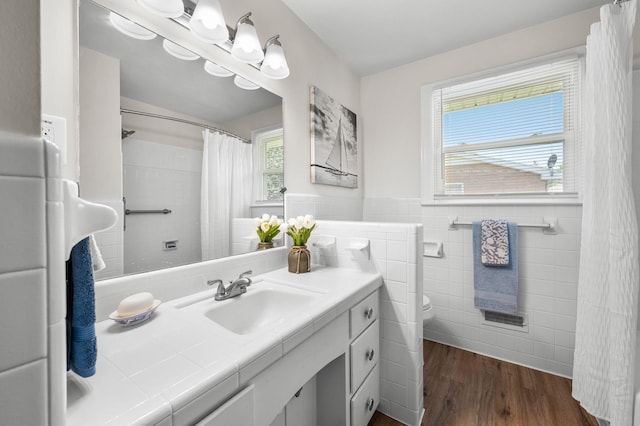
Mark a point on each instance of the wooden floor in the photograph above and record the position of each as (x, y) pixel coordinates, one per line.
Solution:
(463, 388)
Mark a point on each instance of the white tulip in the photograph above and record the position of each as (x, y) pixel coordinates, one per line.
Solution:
(308, 221)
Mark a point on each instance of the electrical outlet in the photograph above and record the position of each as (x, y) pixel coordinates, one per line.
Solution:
(54, 129)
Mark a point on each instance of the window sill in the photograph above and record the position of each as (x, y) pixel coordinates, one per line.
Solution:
(501, 200)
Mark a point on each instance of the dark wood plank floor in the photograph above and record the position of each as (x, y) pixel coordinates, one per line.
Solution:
(463, 388)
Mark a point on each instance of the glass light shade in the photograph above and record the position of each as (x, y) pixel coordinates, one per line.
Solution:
(246, 46)
(165, 8)
(130, 28)
(217, 70)
(245, 84)
(207, 22)
(275, 64)
(178, 51)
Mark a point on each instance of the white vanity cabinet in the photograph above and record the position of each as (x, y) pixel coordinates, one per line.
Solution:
(364, 353)
(356, 371)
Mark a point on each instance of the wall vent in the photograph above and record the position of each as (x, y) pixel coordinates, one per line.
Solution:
(517, 322)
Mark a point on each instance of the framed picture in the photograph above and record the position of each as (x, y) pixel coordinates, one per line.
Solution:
(334, 148)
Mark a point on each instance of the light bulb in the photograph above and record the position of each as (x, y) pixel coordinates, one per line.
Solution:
(207, 22)
(246, 46)
(275, 64)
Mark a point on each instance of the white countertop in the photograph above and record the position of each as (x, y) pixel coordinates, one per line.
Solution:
(148, 372)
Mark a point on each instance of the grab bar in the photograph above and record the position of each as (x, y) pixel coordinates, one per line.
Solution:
(163, 211)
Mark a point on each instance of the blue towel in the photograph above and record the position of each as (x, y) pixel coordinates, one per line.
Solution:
(82, 347)
(496, 287)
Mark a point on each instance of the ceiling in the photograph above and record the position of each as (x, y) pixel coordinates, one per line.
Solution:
(373, 36)
(182, 86)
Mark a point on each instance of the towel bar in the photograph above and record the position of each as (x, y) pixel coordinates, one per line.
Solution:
(548, 226)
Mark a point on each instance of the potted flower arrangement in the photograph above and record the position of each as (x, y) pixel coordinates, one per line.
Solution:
(299, 230)
(268, 228)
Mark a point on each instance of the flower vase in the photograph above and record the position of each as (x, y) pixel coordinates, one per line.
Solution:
(299, 260)
(265, 246)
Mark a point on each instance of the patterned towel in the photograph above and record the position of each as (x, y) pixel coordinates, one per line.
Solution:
(495, 243)
(496, 288)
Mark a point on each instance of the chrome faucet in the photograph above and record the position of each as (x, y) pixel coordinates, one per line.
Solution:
(236, 287)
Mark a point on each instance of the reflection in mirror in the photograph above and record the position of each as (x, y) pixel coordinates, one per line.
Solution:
(167, 142)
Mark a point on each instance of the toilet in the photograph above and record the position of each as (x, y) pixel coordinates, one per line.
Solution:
(427, 310)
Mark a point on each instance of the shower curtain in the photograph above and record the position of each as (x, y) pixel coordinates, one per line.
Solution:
(225, 190)
(604, 355)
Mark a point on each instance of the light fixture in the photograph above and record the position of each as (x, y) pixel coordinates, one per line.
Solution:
(165, 8)
(246, 45)
(215, 69)
(245, 84)
(274, 64)
(207, 22)
(130, 28)
(178, 51)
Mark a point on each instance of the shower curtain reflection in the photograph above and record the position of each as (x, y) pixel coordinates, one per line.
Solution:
(225, 191)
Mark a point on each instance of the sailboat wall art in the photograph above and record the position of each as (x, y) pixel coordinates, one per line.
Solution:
(334, 148)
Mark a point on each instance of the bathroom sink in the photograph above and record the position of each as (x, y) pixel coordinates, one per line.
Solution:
(263, 306)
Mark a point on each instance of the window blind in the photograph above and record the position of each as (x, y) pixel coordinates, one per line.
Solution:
(513, 133)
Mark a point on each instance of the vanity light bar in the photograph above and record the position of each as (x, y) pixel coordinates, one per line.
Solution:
(189, 8)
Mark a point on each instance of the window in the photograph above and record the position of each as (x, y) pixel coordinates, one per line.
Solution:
(510, 134)
(269, 164)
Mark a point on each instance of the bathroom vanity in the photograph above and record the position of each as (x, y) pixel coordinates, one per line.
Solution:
(291, 349)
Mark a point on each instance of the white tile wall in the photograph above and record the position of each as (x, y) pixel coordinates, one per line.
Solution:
(29, 294)
(394, 253)
(156, 177)
(548, 277)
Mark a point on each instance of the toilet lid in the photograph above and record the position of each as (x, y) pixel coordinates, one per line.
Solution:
(426, 302)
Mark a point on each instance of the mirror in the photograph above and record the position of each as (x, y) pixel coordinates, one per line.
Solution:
(142, 119)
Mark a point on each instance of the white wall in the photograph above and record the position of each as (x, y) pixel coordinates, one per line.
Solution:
(100, 152)
(548, 264)
(391, 99)
(20, 76)
(59, 74)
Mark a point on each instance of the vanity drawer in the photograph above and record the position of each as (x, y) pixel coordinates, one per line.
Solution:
(365, 352)
(363, 314)
(365, 401)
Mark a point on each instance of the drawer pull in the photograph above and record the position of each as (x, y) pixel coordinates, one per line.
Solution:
(368, 313)
(370, 354)
(370, 403)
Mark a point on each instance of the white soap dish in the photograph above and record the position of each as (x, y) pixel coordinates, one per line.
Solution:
(137, 318)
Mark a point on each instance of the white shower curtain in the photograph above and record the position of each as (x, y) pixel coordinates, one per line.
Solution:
(604, 355)
(225, 190)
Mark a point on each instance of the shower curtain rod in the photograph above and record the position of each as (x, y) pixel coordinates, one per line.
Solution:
(181, 120)
(618, 2)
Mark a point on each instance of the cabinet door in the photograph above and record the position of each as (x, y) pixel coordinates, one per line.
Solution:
(366, 400)
(237, 411)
